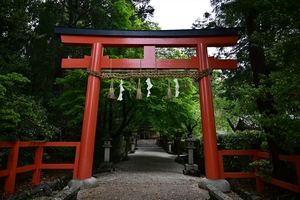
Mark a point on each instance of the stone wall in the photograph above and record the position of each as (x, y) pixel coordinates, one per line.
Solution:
(48, 189)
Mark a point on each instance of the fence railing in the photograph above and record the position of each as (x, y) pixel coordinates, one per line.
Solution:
(12, 163)
(257, 155)
(13, 169)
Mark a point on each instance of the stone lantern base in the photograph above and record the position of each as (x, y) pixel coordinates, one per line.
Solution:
(191, 169)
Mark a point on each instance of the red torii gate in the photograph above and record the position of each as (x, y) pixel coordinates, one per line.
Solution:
(149, 40)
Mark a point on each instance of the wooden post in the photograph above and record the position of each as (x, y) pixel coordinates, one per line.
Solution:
(12, 164)
(207, 116)
(297, 162)
(221, 163)
(258, 181)
(38, 159)
(75, 171)
(86, 155)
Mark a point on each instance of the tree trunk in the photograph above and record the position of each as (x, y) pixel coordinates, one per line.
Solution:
(104, 115)
(265, 105)
(231, 125)
(127, 117)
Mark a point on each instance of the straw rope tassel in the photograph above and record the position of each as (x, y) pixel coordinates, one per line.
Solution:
(169, 95)
(139, 91)
(111, 94)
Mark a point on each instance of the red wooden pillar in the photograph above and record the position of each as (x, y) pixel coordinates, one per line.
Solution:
(86, 154)
(12, 165)
(259, 183)
(297, 162)
(75, 171)
(208, 119)
(38, 159)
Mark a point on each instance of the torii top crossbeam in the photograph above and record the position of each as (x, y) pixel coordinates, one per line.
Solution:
(149, 40)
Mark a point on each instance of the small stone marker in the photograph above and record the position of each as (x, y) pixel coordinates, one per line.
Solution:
(107, 145)
(191, 168)
(170, 147)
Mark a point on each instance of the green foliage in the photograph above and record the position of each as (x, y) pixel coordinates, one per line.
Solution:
(118, 149)
(13, 106)
(21, 117)
(67, 153)
(71, 102)
(265, 168)
(243, 141)
(26, 156)
(224, 109)
(30, 58)
(265, 83)
(184, 109)
(121, 13)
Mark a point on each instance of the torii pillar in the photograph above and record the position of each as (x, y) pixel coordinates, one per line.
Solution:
(149, 40)
(212, 170)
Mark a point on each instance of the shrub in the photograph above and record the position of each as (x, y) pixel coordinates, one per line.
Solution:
(240, 141)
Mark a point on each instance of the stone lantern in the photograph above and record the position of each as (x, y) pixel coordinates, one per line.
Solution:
(107, 145)
(169, 146)
(191, 168)
(106, 166)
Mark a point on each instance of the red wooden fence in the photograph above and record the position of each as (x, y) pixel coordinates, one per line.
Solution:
(257, 155)
(12, 164)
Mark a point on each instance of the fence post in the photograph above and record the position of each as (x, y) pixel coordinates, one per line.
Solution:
(297, 162)
(258, 181)
(38, 159)
(221, 167)
(76, 161)
(12, 164)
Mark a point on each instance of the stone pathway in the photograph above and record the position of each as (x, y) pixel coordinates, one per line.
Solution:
(150, 173)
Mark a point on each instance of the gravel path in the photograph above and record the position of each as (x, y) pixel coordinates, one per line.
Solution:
(150, 173)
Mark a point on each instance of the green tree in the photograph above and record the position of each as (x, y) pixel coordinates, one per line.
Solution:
(270, 58)
(144, 10)
(21, 117)
(15, 34)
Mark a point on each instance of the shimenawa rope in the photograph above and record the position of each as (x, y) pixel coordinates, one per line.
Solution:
(185, 74)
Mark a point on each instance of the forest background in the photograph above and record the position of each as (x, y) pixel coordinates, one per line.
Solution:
(39, 100)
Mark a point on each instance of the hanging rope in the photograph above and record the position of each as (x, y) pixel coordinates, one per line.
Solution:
(139, 91)
(111, 94)
(185, 74)
(169, 94)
